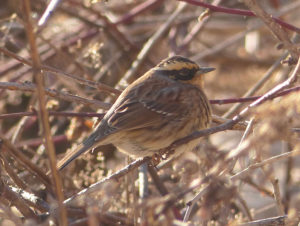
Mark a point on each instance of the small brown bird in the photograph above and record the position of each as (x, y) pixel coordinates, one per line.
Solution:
(162, 106)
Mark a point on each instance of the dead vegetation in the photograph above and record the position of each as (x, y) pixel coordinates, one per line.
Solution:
(58, 70)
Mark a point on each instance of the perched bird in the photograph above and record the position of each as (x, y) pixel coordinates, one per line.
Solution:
(162, 106)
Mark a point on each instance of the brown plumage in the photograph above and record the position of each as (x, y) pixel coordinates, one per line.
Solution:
(162, 106)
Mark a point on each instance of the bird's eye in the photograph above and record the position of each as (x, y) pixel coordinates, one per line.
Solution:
(184, 74)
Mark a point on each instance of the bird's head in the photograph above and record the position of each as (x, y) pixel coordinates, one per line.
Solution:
(182, 69)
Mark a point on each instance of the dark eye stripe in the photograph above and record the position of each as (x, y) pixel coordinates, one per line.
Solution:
(184, 74)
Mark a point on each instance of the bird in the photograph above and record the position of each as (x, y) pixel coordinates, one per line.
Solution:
(163, 105)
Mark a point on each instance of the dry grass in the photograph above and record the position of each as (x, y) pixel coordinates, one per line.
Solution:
(86, 52)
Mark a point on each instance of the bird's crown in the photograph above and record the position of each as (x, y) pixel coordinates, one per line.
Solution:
(180, 68)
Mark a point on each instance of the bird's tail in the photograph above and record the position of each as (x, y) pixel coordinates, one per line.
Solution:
(92, 141)
(72, 155)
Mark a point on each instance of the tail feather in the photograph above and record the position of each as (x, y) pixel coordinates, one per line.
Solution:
(85, 146)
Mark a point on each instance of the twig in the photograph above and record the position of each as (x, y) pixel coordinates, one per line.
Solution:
(149, 44)
(275, 28)
(162, 188)
(238, 12)
(8, 169)
(150, 4)
(20, 157)
(192, 203)
(54, 113)
(31, 87)
(254, 166)
(143, 182)
(274, 221)
(38, 141)
(258, 85)
(198, 27)
(220, 46)
(43, 113)
(96, 85)
(31, 199)
(277, 196)
(115, 176)
(245, 206)
(17, 201)
(232, 40)
(49, 10)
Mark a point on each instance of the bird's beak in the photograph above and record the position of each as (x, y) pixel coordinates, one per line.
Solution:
(204, 70)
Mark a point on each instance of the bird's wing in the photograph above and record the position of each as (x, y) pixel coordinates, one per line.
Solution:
(146, 112)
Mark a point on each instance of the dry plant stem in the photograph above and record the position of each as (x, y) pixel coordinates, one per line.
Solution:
(96, 85)
(43, 113)
(15, 178)
(244, 173)
(22, 159)
(38, 141)
(32, 199)
(247, 131)
(17, 201)
(275, 28)
(49, 10)
(115, 176)
(238, 12)
(289, 168)
(232, 40)
(232, 163)
(220, 46)
(162, 188)
(262, 190)
(274, 221)
(31, 87)
(150, 4)
(111, 29)
(7, 213)
(257, 86)
(277, 196)
(245, 206)
(143, 181)
(62, 40)
(156, 180)
(197, 28)
(192, 203)
(239, 175)
(253, 98)
(127, 78)
(54, 113)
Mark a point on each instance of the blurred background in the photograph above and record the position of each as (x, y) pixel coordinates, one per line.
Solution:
(88, 49)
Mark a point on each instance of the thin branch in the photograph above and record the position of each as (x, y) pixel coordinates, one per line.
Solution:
(144, 6)
(258, 85)
(31, 87)
(205, 17)
(43, 113)
(96, 85)
(277, 196)
(17, 201)
(96, 186)
(240, 12)
(249, 169)
(275, 28)
(22, 159)
(149, 44)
